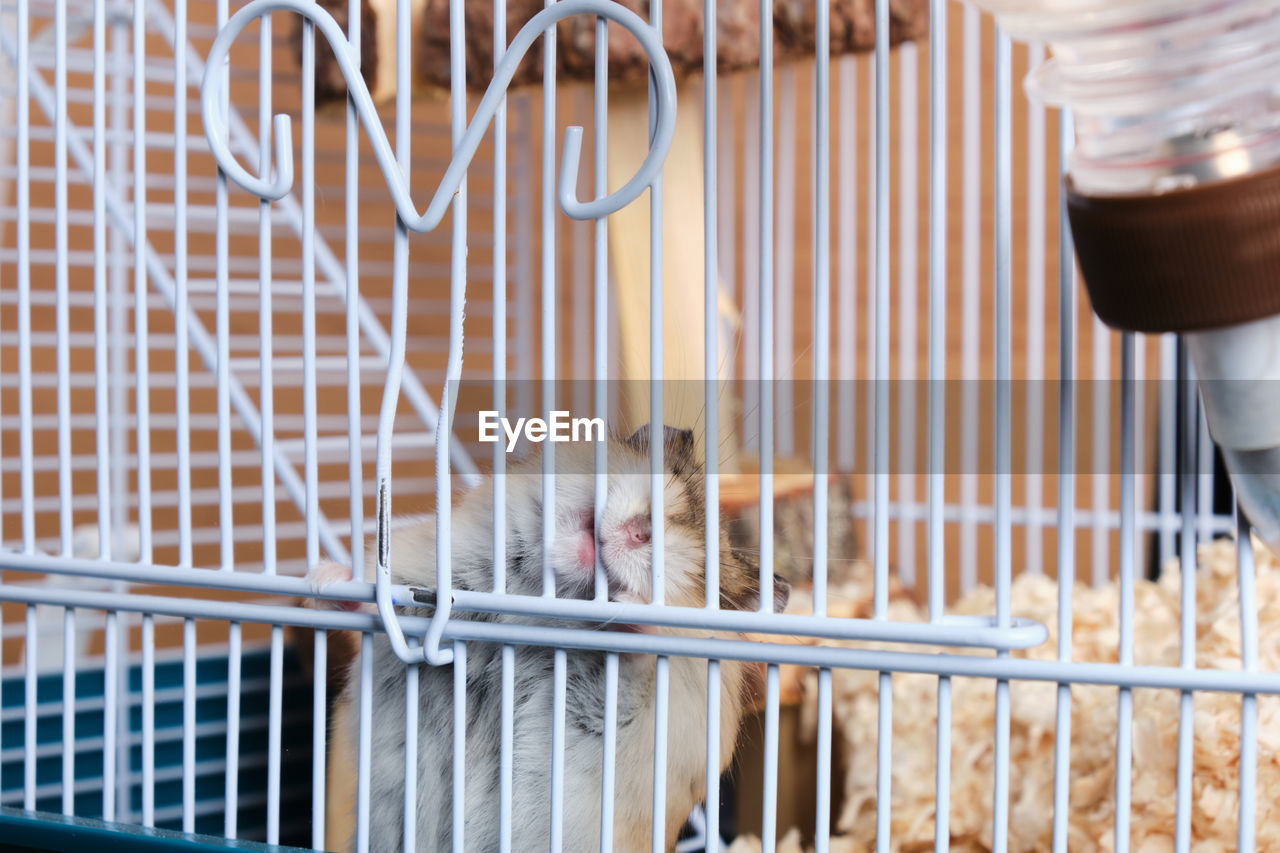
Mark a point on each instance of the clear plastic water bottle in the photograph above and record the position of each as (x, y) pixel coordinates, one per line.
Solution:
(1168, 95)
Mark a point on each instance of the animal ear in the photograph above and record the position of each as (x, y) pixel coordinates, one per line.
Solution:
(640, 438)
(677, 440)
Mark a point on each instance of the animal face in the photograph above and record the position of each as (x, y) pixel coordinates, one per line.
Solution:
(627, 534)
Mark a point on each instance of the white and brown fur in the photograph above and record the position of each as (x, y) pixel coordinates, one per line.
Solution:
(626, 556)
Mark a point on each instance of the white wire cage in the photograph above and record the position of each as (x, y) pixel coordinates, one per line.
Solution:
(182, 437)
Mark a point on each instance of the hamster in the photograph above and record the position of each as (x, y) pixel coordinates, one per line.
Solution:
(626, 547)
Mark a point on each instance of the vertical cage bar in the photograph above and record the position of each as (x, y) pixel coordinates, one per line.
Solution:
(101, 401)
(142, 413)
(68, 712)
(459, 801)
(937, 400)
(725, 162)
(319, 727)
(713, 749)
(266, 349)
(713, 243)
(118, 386)
(549, 282)
(610, 765)
(188, 725)
(1066, 524)
(1205, 451)
(821, 393)
(183, 405)
(1139, 545)
(62, 321)
(770, 792)
(785, 190)
(355, 463)
(847, 265)
(558, 691)
(1187, 608)
(937, 307)
(274, 723)
(110, 690)
(29, 714)
(884, 761)
(1101, 500)
(223, 373)
(1128, 508)
(908, 304)
(548, 318)
(524, 251)
(457, 295)
(364, 736)
(1035, 352)
(1004, 414)
(582, 240)
(769, 820)
(1168, 480)
(181, 326)
(26, 489)
(506, 734)
(873, 293)
(600, 370)
(507, 754)
(656, 471)
(971, 298)
(311, 468)
(661, 701)
(942, 781)
(880, 462)
(458, 236)
(499, 305)
(1246, 822)
(412, 697)
(231, 782)
(311, 509)
(751, 224)
(148, 721)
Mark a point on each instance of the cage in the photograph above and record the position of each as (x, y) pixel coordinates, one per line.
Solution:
(227, 342)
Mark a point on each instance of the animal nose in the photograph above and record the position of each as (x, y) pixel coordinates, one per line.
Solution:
(637, 531)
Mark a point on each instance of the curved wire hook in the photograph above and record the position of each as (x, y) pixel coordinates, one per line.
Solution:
(281, 182)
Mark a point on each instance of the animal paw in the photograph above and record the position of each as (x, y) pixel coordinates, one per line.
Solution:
(325, 574)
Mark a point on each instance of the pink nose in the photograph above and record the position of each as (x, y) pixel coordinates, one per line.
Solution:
(637, 531)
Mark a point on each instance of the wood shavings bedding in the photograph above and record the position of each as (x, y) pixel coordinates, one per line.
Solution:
(1093, 723)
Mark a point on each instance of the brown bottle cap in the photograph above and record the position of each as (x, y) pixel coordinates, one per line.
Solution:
(1182, 261)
